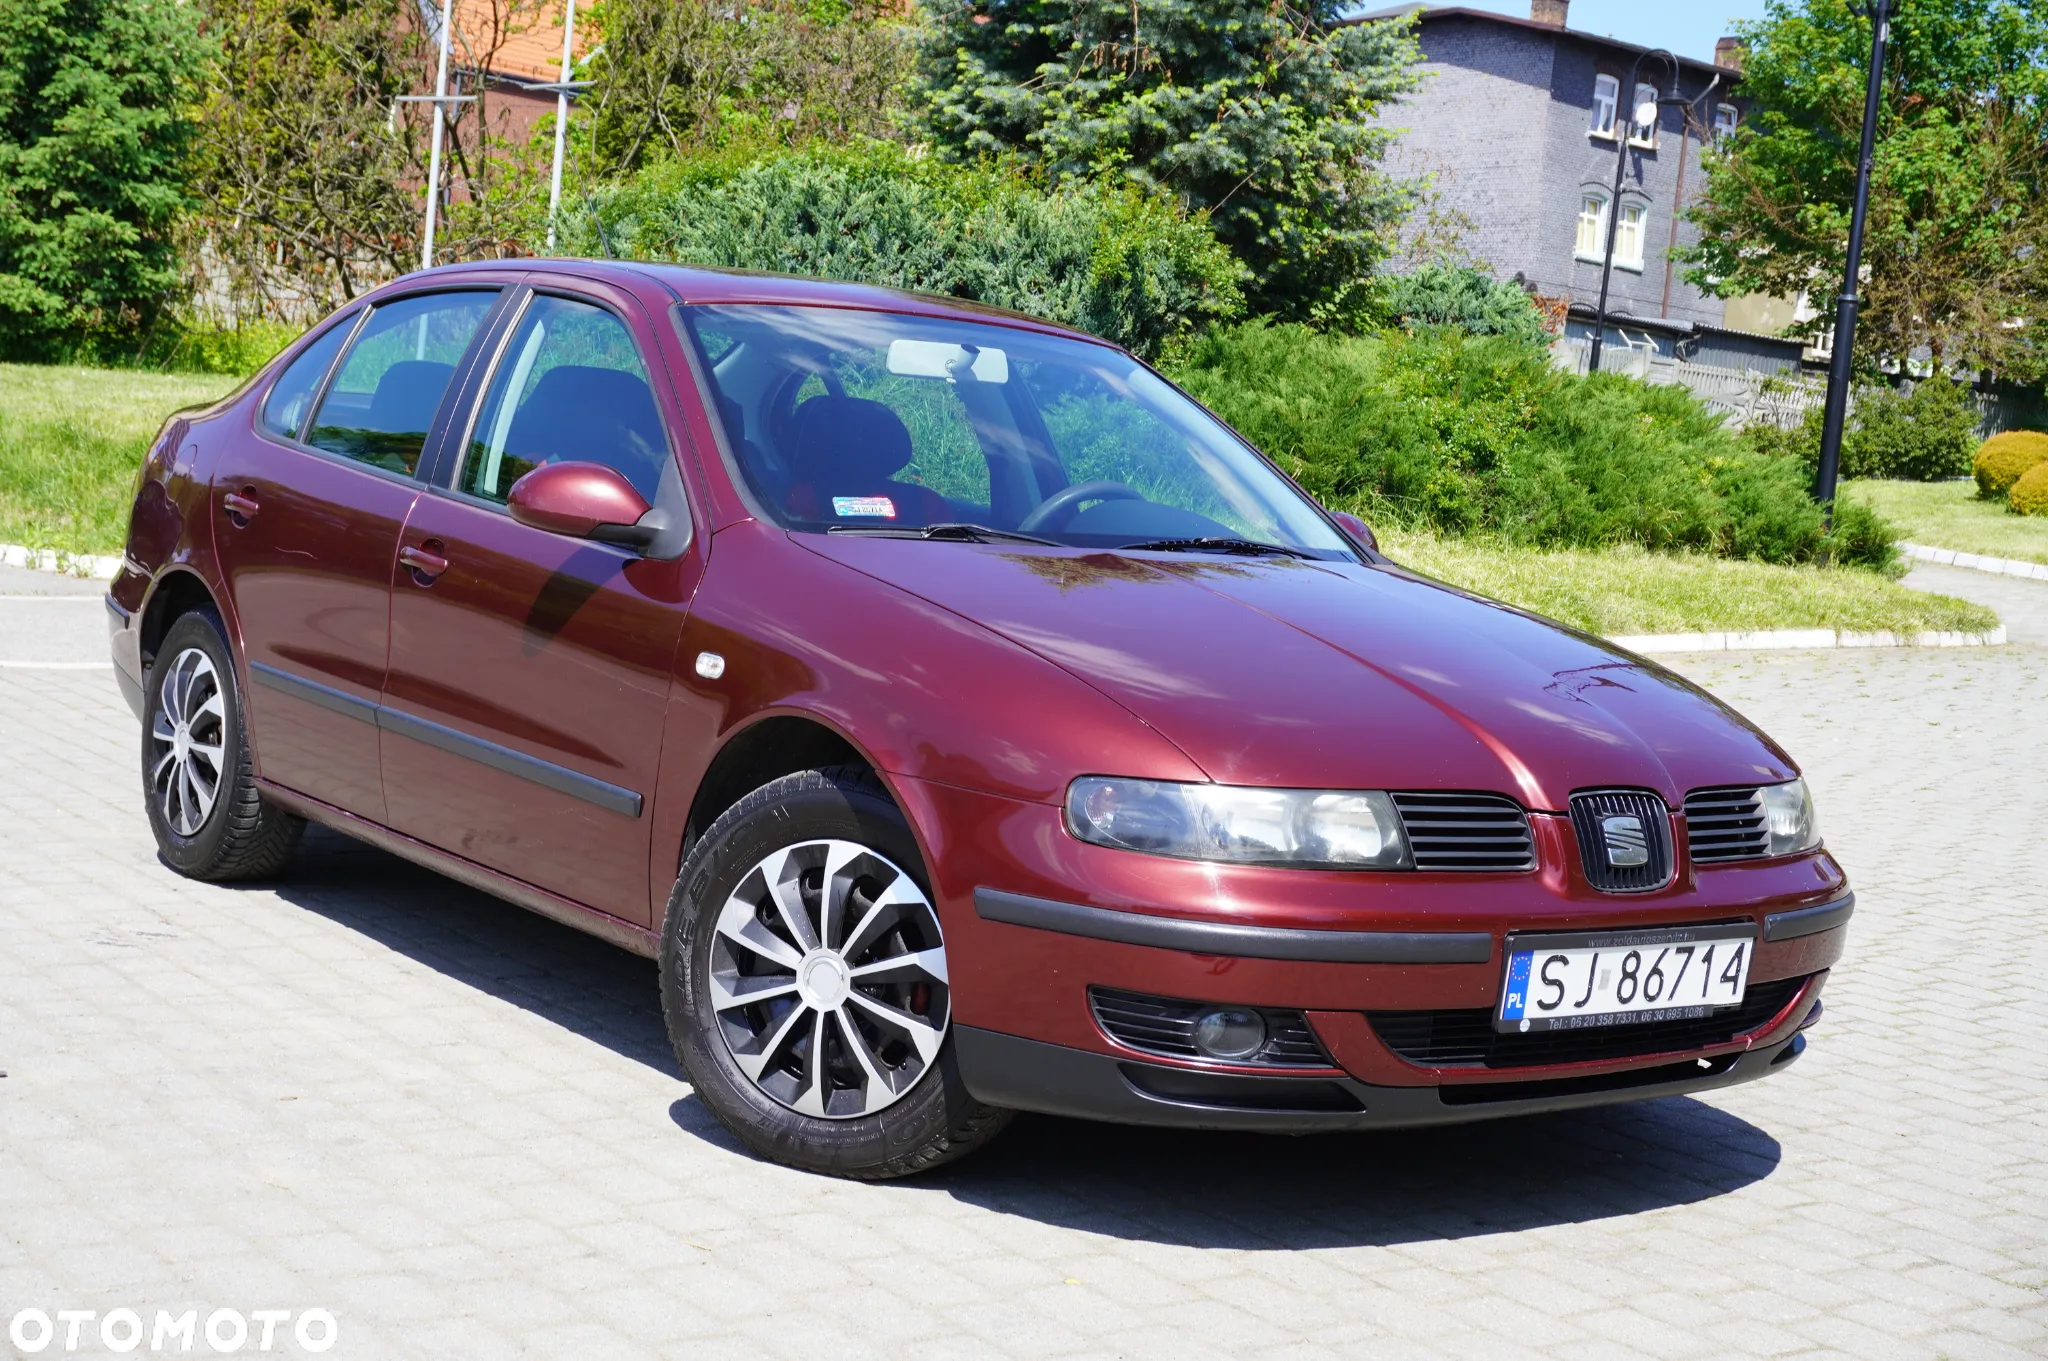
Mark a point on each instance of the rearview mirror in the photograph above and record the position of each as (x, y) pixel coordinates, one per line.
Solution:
(1360, 532)
(583, 501)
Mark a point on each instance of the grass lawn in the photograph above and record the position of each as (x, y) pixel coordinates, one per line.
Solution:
(1949, 515)
(1628, 591)
(71, 440)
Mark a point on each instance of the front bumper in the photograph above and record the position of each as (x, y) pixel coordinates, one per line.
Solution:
(1020, 1074)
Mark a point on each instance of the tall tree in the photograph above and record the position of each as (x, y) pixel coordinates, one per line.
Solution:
(1259, 112)
(1956, 251)
(92, 140)
(675, 78)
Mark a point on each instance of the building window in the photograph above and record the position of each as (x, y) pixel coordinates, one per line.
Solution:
(1592, 227)
(1606, 96)
(1591, 244)
(1724, 121)
(1643, 134)
(1628, 241)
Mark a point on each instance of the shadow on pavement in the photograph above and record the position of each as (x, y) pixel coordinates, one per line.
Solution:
(1252, 1192)
(1186, 1188)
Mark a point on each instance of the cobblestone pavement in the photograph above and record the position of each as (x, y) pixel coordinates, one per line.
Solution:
(457, 1127)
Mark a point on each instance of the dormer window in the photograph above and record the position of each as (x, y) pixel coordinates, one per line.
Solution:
(1606, 101)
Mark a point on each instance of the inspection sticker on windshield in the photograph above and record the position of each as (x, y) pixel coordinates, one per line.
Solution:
(1569, 980)
(855, 507)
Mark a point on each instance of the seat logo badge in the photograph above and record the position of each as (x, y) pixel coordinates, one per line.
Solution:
(1628, 845)
(710, 665)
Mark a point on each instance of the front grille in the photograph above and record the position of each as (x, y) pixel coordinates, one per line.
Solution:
(1467, 1039)
(1726, 824)
(1166, 1025)
(1624, 839)
(1466, 831)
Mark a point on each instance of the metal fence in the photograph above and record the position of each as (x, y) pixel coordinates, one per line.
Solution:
(1743, 396)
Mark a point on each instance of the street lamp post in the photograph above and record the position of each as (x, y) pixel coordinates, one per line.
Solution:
(1880, 12)
(1622, 134)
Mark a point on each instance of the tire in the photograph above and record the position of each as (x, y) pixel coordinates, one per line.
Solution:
(192, 728)
(750, 984)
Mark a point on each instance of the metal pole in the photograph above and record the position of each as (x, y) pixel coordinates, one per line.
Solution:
(1846, 305)
(561, 122)
(1622, 132)
(440, 121)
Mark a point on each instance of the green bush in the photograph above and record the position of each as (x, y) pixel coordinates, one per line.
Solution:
(1110, 260)
(1483, 435)
(1927, 435)
(1470, 299)
(2030, 494)
(1923, 436)
(2005, 458)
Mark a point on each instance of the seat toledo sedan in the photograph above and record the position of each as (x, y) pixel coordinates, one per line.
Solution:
(966, 720)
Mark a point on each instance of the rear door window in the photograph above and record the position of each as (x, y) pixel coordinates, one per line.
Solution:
(569, 388)
(291, 396)
(382, 403)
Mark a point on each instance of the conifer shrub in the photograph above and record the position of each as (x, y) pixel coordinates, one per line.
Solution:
(2005, 458)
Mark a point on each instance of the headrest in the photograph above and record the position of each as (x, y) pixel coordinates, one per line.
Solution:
(407, 396)
(577, 413)
(847, 443)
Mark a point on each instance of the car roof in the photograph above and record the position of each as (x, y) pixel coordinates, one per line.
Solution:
(699, 284)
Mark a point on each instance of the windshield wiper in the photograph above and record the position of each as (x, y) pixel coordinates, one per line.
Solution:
(1218, 544)
(953, 530)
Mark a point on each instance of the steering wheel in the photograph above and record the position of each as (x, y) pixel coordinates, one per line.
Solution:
(1055, 510)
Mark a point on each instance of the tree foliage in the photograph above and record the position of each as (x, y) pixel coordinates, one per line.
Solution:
(92, 139)
(1259, 112)
(1104, 258)
(309, 169)
(675, 77)
(1956, 252)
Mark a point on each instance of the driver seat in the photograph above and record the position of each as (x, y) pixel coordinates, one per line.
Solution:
(853, 447)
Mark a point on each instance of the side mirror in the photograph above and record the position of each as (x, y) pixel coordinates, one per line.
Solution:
(1360, 532)
(583, 501)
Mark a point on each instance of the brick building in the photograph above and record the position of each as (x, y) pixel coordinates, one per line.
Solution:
(1517, 124)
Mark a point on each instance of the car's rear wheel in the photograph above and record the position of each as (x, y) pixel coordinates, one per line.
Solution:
(210, 822)
(804, 981)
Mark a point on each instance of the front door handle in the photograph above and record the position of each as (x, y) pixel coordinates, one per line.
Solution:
(241, 506)
(425, 563)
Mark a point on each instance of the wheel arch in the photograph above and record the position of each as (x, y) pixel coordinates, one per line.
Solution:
(176, 593)
(766, 749)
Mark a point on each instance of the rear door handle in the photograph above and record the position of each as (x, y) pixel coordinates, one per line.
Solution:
(241, 506)
(425, 565)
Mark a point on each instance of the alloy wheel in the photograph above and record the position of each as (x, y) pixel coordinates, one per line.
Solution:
(187, 742)
(828, 978)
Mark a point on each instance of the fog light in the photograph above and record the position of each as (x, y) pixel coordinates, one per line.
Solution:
(1230, 1032)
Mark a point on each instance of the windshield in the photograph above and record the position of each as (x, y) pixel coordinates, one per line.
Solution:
(871, 422)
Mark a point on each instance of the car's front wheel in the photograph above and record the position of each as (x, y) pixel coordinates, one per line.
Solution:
(210, 821)
(805, 986)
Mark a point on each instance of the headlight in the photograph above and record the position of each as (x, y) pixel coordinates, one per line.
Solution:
(1323, 829)
(1789, 816)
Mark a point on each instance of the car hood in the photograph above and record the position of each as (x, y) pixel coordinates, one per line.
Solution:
(1284, 672)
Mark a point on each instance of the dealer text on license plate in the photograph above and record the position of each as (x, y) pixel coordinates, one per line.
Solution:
(1567, 980)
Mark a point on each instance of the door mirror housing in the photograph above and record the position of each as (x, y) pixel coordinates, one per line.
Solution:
(583, 501)
(1360, 532)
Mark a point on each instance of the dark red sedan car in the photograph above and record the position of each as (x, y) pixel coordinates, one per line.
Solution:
(966, 720)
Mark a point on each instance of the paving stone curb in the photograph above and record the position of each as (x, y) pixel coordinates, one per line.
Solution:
(1977, 562)
(1779, 640)
(57, 560)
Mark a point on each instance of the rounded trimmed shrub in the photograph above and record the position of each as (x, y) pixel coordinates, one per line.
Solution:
(2029, 495)
(2005, 458)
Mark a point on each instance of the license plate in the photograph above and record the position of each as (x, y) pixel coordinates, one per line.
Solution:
(1568, 980)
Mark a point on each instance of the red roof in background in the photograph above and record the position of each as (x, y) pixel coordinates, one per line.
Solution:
(520, 41)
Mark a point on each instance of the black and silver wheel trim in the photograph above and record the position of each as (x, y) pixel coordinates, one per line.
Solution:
(828, 979)
(187, 742)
